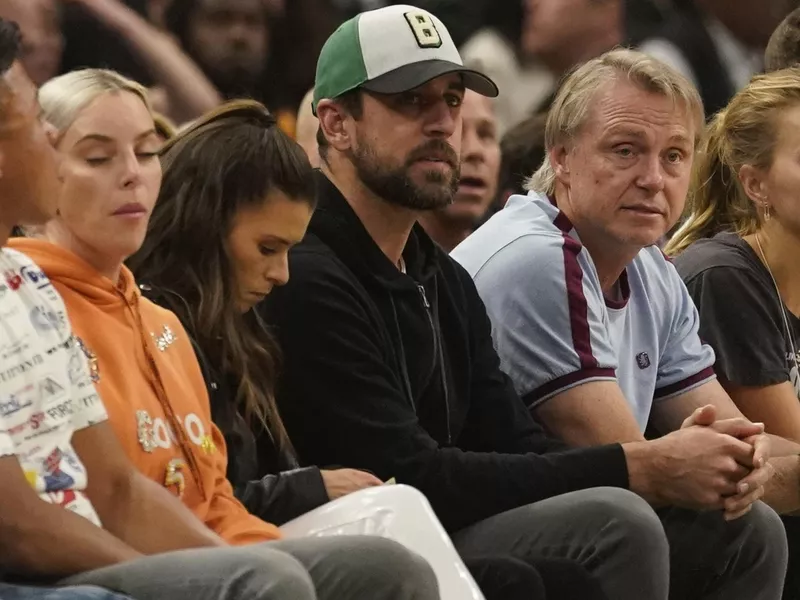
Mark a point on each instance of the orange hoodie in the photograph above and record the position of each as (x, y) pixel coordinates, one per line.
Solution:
(146, 372)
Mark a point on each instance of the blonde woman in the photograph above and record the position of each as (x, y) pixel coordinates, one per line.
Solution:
(738, 250)
(140, 357)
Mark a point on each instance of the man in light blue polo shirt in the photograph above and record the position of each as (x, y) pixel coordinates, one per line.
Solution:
(592, 323)
(556, 329)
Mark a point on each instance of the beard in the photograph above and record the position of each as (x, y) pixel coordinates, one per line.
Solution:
(395, 184)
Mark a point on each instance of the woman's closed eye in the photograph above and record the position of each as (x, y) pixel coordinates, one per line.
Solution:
(146, 155)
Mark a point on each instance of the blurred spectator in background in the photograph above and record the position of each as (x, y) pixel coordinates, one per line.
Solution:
(495, 49)
(310, 21)
(643, 18)
(783, 49)
(564, 33)
(182, 92)
(42, 43)
(250, 49)
(521, 155)
(306, 130)
(554, 36)
(83, 35)
(229, 39)
(717, 44)
(480, 166)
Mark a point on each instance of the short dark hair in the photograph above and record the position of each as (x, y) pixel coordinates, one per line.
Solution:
(783, 49)
(353, 104)
(10, 42)
(522, 152)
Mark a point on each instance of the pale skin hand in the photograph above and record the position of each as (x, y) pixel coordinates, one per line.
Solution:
(341, 482)
(750, 487)
(696, 468)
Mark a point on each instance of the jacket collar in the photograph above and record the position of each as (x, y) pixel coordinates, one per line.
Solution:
(336, 224)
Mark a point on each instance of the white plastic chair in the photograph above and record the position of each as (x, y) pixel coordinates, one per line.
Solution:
(400, 513)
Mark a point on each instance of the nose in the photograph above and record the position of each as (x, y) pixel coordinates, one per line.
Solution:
(278, 273)
(651, 176)
(442, 120)
(132, 170)
(472, 150)
(237, 32)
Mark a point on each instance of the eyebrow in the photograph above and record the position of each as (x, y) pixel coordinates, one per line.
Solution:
(275, 238)
(639, 135)
(99, 137)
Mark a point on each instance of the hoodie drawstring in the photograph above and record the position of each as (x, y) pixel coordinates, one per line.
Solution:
(161, 394)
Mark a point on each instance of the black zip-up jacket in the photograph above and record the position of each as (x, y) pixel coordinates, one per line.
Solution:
(397, 374)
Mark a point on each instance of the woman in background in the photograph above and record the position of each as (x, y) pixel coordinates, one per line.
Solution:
(237, 193)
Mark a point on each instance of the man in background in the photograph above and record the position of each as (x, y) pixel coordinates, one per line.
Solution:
(477, 185)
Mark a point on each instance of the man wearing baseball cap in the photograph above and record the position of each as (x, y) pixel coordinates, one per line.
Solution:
(388, 357)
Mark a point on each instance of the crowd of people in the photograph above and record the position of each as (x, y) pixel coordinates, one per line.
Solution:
(530, 273)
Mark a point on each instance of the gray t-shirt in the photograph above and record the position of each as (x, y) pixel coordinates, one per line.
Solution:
(553, 327)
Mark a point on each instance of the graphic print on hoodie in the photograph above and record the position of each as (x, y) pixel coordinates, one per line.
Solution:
(145, 370)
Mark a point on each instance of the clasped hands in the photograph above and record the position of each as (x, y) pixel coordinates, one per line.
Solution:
(741, 482)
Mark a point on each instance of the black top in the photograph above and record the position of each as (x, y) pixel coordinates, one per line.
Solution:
(265, 478)
(397, 374)
(740, 311)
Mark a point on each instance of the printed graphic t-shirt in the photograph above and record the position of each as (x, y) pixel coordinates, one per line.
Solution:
(46, 393)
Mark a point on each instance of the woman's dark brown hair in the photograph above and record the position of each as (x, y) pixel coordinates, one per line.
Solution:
(229, 159)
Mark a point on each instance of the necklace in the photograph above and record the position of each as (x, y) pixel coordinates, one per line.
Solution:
(401, 264)
(788, 329)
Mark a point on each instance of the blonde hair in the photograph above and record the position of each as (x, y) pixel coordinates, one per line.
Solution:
(743, 133)
(64, 97)
(574, 100)
(165, 128)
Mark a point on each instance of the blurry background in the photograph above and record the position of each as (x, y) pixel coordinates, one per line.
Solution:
(193, 53)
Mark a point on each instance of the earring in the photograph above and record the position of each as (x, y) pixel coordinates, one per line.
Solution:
(767, 215)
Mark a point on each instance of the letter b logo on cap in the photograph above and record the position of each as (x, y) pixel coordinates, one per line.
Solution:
(424, 29)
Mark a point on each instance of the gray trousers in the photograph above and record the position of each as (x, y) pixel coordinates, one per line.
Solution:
(334, 568)
(637, 554)
(24, 592)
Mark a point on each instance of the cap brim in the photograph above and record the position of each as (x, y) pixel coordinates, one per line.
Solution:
(416, 74)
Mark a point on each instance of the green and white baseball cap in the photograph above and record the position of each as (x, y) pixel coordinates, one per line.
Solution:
(391, 50)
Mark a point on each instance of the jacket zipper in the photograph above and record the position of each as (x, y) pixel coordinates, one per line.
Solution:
(438, 357)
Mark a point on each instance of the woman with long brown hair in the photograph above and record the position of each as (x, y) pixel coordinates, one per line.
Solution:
(737, 252)
(237, 193)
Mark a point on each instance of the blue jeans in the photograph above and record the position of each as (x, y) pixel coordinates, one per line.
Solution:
(79, 592)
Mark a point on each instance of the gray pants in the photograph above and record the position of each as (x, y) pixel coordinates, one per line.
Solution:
(636, 554)
(24, 592)
(335, 568)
